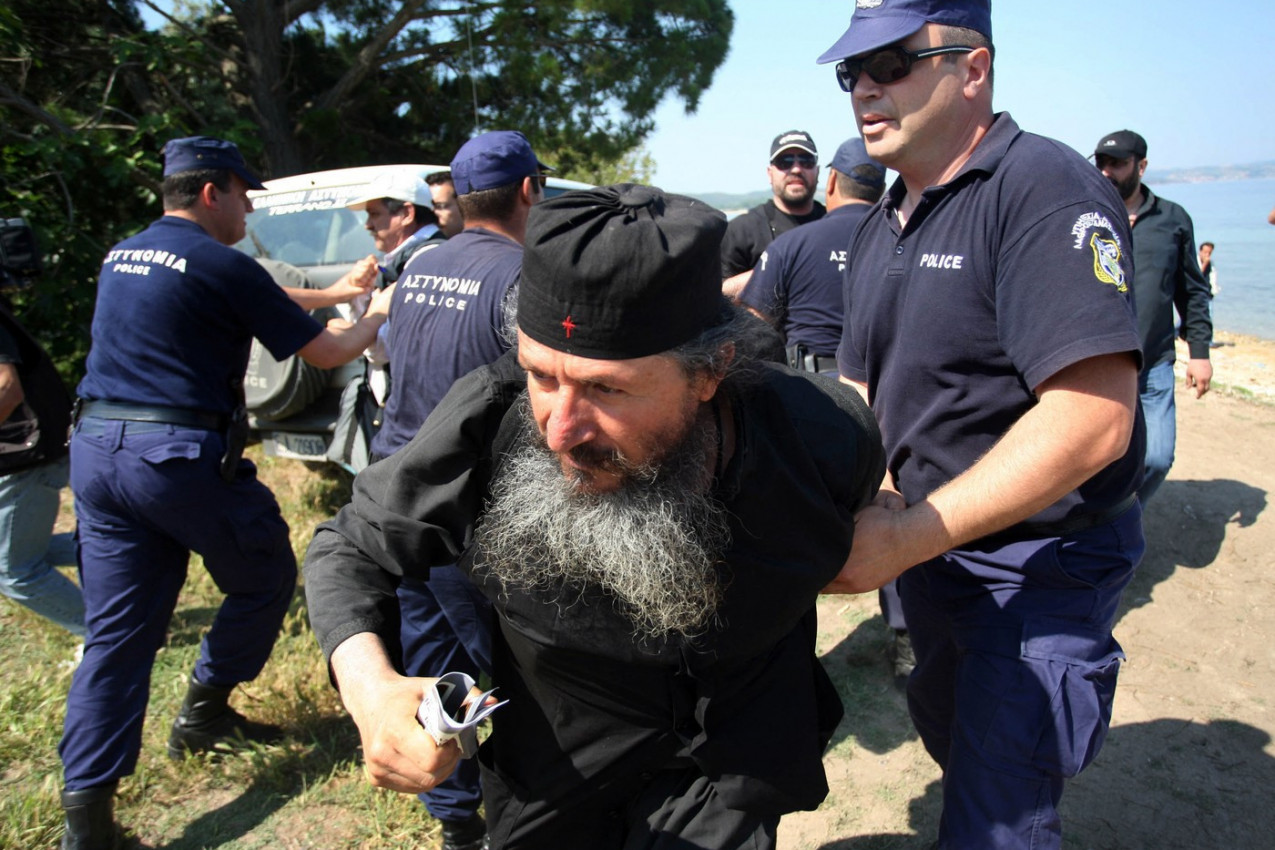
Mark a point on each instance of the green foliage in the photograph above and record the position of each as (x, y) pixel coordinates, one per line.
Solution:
(88, 96)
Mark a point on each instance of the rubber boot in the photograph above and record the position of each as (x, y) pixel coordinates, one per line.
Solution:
(90, 818)
(206, 723)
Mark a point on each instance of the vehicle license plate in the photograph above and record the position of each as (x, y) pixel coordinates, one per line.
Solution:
(297, 446)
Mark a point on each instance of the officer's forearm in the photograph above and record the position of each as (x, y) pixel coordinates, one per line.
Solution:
(335, 346)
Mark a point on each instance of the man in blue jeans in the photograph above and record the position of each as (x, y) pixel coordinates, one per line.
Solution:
(35, 410)
(1166, 275)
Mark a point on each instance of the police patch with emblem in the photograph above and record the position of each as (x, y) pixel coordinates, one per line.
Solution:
(1105, 245)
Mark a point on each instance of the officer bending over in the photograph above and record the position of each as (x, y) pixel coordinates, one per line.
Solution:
(157, 473)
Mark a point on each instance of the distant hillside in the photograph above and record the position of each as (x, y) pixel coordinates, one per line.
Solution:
(1205, 174)
(727, 201)
(1201, 174)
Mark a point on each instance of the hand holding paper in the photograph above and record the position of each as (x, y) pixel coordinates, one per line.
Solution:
(448, 712)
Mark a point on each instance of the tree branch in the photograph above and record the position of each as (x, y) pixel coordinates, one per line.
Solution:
(9, 97)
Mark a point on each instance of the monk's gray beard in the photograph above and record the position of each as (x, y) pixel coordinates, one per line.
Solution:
(653, 544)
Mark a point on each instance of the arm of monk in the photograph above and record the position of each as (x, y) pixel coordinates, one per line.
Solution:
(399, 754)
(1082, 422)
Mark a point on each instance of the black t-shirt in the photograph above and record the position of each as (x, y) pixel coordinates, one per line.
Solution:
(36, 431)
(1015, 269)
(748, 235)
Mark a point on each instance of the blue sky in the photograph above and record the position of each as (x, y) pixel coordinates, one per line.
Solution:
(1196, 79)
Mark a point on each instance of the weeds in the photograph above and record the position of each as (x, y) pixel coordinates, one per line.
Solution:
(308, 792)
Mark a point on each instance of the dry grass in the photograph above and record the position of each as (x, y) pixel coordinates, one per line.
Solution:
(307, 793)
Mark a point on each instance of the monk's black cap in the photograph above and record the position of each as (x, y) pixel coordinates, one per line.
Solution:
(620, 271)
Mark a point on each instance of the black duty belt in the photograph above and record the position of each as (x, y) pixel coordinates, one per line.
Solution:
(803, 360)
(1060, 528)
(150, 413)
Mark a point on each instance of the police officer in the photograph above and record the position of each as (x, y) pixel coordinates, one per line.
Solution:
(449, 318)
(157, 473)
(991, 323)
(796, 285)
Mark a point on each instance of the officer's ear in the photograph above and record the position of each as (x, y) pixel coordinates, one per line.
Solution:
(209, 196)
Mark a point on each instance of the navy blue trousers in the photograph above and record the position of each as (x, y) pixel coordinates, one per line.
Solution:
(446, 627)
(1016, 673)
(146, 496)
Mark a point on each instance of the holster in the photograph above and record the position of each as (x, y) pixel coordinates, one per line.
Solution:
(236, 440)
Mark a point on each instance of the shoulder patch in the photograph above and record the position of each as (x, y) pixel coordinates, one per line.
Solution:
(1105, 245)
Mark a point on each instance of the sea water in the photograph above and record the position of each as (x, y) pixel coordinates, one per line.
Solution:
(1232, 215)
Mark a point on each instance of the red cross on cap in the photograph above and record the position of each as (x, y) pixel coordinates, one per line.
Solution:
(569, 326)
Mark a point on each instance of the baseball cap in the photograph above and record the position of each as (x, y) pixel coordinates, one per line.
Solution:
(399, 184)
(1122, 144)
(198, 152)
(494, 159)
(799, 139)
(878, 23)
(852, 154)
(620, 272)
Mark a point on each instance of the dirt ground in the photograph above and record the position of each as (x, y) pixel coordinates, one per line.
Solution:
(1189, 762)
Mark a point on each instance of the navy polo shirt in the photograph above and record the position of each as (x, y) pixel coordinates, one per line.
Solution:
(447, 319)
(1015, 269)
(797, 281)
(175, 317)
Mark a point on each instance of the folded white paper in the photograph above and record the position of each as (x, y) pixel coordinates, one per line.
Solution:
(447, 712)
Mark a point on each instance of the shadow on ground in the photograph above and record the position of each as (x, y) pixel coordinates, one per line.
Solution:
(876, 708)
(1185, 525)
(282, 776)
(1175, 785)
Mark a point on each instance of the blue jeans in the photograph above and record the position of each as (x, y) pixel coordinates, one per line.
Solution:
(29, 551)
(1155, 386)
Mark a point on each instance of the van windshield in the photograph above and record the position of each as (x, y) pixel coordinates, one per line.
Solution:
(310, 227)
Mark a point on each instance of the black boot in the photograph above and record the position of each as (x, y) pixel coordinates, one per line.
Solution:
(468, 834)
(90, 818)
(207, 723)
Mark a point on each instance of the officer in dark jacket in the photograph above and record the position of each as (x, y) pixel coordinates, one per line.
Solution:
(35, 410)
(652, 512)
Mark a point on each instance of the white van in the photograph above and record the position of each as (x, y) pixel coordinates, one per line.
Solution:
(295, 409)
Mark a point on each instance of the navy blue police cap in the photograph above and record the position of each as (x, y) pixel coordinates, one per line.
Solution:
(198, 152)
(852, 154)
(620, 272)
(879, 23)
(494, 159)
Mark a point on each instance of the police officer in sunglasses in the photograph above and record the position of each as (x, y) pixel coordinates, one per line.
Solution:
(990, 324)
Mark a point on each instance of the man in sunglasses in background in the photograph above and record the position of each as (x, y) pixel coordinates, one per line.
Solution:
(990, 325)
(447, 318)
(793, 171)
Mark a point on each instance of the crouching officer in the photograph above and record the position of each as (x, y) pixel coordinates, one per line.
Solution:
(156, 475)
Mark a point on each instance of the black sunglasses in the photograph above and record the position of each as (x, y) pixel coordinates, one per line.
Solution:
(887, 65)
(785, 161)
(542, 179)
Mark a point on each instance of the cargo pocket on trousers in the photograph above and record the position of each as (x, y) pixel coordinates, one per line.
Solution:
(1085, 665)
